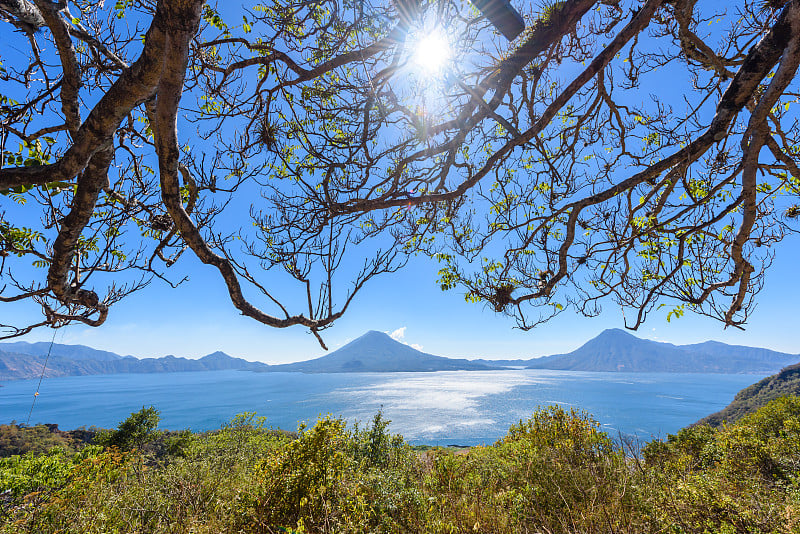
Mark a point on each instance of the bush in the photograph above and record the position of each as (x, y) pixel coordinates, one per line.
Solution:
(135, 432)
(21, 475)
(738, 478)
(555, 472)
(19, 439)
(332, 478)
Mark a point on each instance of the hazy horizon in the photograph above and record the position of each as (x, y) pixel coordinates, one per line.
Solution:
(399, 336)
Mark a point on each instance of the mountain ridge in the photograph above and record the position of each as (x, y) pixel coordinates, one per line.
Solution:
(70, 352)
(612, 350)
(617, 350)
(19, 366)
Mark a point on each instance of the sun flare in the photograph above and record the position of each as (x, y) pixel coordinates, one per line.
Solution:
(432, 52)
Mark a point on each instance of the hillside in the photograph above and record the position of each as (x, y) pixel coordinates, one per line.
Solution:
(376, 352)
(58, 350)
(21, 366)
(618, 350)
(751, 398)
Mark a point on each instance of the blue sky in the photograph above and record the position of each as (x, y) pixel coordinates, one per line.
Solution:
(197, 318)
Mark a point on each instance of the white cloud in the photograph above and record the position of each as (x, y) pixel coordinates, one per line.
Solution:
(399, 334)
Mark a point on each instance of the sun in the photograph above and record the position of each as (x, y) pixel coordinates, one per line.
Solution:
(432, 52)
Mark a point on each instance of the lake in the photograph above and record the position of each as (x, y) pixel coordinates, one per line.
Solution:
(440, 408)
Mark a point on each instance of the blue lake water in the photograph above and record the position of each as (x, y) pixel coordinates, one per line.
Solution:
(448, 407)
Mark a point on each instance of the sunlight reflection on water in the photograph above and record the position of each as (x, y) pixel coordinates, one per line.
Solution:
(460, 407)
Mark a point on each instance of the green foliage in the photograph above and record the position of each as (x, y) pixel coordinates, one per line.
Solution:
(334, 479)
(212, 17)
(555, 472)
(750, 399)
(22, 475)
(375, 444)
(134, 432)
(245, 438)
(17, 240)
(572, 433)
(120, 6)
(738, 478)
(19, 439)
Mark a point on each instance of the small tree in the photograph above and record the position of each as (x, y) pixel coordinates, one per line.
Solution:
(135, 432)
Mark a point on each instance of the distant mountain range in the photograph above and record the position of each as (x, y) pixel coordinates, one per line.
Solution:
(77, 360)
(612, 350)
(69, 352)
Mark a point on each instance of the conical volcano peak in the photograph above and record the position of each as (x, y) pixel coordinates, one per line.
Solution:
(218, 355)
(619, 350)
(615, 333)
(377, 351)
(376, 335)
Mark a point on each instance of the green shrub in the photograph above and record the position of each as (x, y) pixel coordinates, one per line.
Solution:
(135, 432)
(335, 478)
(741, 477)
(19, 439)
(30, 472)
(555, 472)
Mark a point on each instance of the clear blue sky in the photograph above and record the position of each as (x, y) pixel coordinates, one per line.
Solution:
(198, 318)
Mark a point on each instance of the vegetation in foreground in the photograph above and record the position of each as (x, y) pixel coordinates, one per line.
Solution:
(556, 472)
(783, 384)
